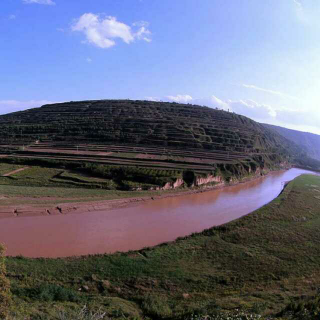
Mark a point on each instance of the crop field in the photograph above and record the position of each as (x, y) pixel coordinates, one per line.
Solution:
(255, 265)
(46, 185)
(129, 155)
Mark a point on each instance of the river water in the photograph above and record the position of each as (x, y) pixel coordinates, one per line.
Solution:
(132, 228)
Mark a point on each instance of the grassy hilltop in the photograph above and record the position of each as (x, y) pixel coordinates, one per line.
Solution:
(266, 263)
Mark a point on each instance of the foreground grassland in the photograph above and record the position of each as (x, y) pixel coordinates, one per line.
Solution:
(264, 263)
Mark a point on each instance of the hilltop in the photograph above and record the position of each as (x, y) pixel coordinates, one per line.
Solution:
(141, 123)
(307, 141)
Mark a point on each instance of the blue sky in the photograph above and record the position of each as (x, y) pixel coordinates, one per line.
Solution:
(257, 58)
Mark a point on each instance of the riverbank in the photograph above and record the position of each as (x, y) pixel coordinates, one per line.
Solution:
(47, 206)
(260, 263)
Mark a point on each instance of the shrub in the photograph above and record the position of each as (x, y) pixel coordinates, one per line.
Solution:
(52, 292)
(156, 306)
(5, 295)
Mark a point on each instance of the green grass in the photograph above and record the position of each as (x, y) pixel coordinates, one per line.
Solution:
(6, 168)
(42, 195)
(36, 185)
(259, 264)
(36, 176)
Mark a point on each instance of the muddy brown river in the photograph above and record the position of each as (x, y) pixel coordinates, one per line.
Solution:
(148, 224)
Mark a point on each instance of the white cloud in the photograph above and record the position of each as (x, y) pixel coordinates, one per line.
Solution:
(180, 98)
(278, 93)
(12, 17)
(46, 2)
(102, 32)
(252, 109)
(298, 4)
(143, 32)
(219, 103)
(89, 60)
(7, 106)
(152, 99)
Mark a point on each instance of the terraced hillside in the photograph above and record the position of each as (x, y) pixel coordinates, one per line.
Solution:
(142, 133)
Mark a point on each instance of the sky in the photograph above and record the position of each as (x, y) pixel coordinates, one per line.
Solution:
(260, 59)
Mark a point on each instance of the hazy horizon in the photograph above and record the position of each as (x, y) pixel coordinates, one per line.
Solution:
(258, 59)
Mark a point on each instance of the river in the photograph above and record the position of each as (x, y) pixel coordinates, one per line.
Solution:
(148, 224)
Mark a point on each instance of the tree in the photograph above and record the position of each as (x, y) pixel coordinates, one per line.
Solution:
(5, 295)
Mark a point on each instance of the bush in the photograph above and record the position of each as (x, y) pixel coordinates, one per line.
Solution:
(5, 295)
(156, 306)
(51, 292)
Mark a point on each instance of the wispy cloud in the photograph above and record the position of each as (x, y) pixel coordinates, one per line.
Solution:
(45, 2)
(298, 4)
(102, 32)
(12, 17)
(143, 32)
(89, 60)
(152, 99)
(277, 93)
(180, 98)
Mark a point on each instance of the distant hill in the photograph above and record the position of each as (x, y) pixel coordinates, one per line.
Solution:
(307, 141)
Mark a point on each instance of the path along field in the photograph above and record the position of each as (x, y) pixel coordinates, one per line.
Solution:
(261, 263)
(14, 172)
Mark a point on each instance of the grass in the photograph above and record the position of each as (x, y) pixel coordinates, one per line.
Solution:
(259, 264)
(7, 167)
(39, 176)
(45, 185)
(41, 195)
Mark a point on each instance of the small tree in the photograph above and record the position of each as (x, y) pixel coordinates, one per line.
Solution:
(5, 295)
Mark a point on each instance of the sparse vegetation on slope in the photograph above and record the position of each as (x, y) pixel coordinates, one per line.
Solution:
(142, 133)
(307, 141)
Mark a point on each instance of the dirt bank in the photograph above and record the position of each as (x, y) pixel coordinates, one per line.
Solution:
(104, 205)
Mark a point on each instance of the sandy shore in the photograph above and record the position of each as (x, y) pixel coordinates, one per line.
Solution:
(15, 211)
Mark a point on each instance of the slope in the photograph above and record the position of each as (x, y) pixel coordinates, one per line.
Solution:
(157, 135)
(308, 141)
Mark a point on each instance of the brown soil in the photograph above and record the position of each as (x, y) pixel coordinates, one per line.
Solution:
(95, 153)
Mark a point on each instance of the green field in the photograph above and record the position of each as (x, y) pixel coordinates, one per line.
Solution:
(262, 264)
(46, 185)
(48, 181)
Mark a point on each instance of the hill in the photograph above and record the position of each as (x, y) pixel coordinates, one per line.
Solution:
(308, 141)
(171, 137)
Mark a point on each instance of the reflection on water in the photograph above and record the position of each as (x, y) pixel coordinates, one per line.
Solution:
(145, 225)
